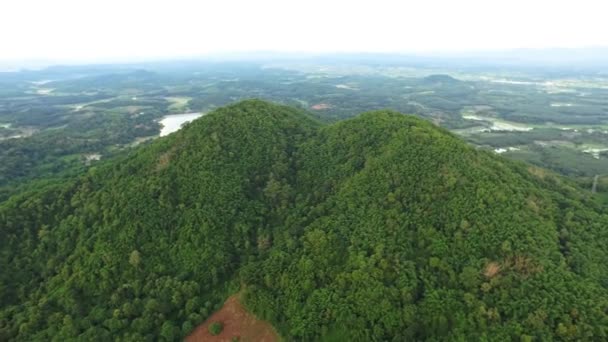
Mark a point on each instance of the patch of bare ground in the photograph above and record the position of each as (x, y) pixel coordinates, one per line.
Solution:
(238, 324)
(320, 106)
(538, 172)
(491, 269)
(523, 265)
(164, 160)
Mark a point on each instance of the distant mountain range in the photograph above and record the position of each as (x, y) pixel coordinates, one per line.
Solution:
(592, 58)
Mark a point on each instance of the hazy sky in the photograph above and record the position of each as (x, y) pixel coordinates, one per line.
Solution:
(123, 29)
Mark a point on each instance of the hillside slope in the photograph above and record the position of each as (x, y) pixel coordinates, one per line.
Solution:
(382, 227)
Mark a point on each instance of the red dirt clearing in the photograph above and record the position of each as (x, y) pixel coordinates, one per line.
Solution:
(237, 323)
(321, 106)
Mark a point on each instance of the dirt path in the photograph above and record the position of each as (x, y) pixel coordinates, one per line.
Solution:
(238, 322)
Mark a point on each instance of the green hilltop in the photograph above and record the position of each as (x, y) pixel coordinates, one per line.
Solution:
(381, 227)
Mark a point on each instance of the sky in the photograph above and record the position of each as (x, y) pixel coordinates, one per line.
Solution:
(102, 30)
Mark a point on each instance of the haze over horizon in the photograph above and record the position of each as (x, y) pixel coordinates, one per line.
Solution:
(100, 31)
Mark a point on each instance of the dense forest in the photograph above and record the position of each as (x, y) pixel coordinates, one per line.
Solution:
(383, 227)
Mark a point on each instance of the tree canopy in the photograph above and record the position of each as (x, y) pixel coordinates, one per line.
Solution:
(380, 227)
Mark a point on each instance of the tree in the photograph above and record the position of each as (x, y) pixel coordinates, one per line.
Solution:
(169, 331)
(216, 328)
(135, 259)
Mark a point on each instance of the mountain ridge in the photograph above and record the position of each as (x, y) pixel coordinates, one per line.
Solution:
(381, 227)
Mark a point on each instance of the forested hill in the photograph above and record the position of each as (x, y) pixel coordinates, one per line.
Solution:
(381, 227)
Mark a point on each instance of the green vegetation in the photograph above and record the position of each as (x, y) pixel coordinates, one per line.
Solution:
(381, 227)
(215, 328)
(108, 109)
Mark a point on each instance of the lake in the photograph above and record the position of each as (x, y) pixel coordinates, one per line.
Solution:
(172, 123)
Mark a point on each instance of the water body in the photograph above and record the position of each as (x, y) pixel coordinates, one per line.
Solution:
(498, 125)
(508, 149)
(595, 152)
(345, 86)
(172, 123)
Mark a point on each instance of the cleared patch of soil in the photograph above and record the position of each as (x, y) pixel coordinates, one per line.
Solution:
(238, 322)
(321, 106)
